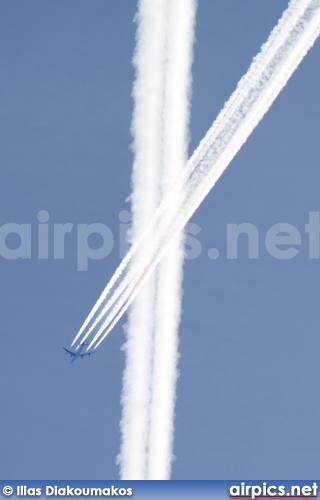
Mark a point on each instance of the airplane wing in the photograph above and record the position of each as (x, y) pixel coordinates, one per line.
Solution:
(87, 353)
(69, 352)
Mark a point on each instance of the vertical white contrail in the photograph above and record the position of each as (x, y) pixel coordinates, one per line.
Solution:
(149, 60)
(177, 90)
(160, 130)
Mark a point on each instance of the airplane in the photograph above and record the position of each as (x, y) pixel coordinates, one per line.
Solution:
(78, 354)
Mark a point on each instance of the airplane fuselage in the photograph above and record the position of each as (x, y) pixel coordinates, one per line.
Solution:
(78, 354)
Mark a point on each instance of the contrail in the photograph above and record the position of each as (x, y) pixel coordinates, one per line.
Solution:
(269, 72)
(149, 62)
(168, 131)
(288, 21)
(180, 38)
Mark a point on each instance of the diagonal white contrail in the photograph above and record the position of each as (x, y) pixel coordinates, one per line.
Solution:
(269, 72)
(287, 23)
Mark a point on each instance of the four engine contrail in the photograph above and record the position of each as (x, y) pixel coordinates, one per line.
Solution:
(269, 72)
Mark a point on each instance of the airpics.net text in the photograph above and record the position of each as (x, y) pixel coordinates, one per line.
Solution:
(45, 240)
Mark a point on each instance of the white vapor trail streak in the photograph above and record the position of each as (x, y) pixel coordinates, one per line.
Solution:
(289, 20)
(180, 37)
(149, 61)
(269, 72)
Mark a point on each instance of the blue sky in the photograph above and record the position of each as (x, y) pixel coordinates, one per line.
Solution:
(247, 400)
